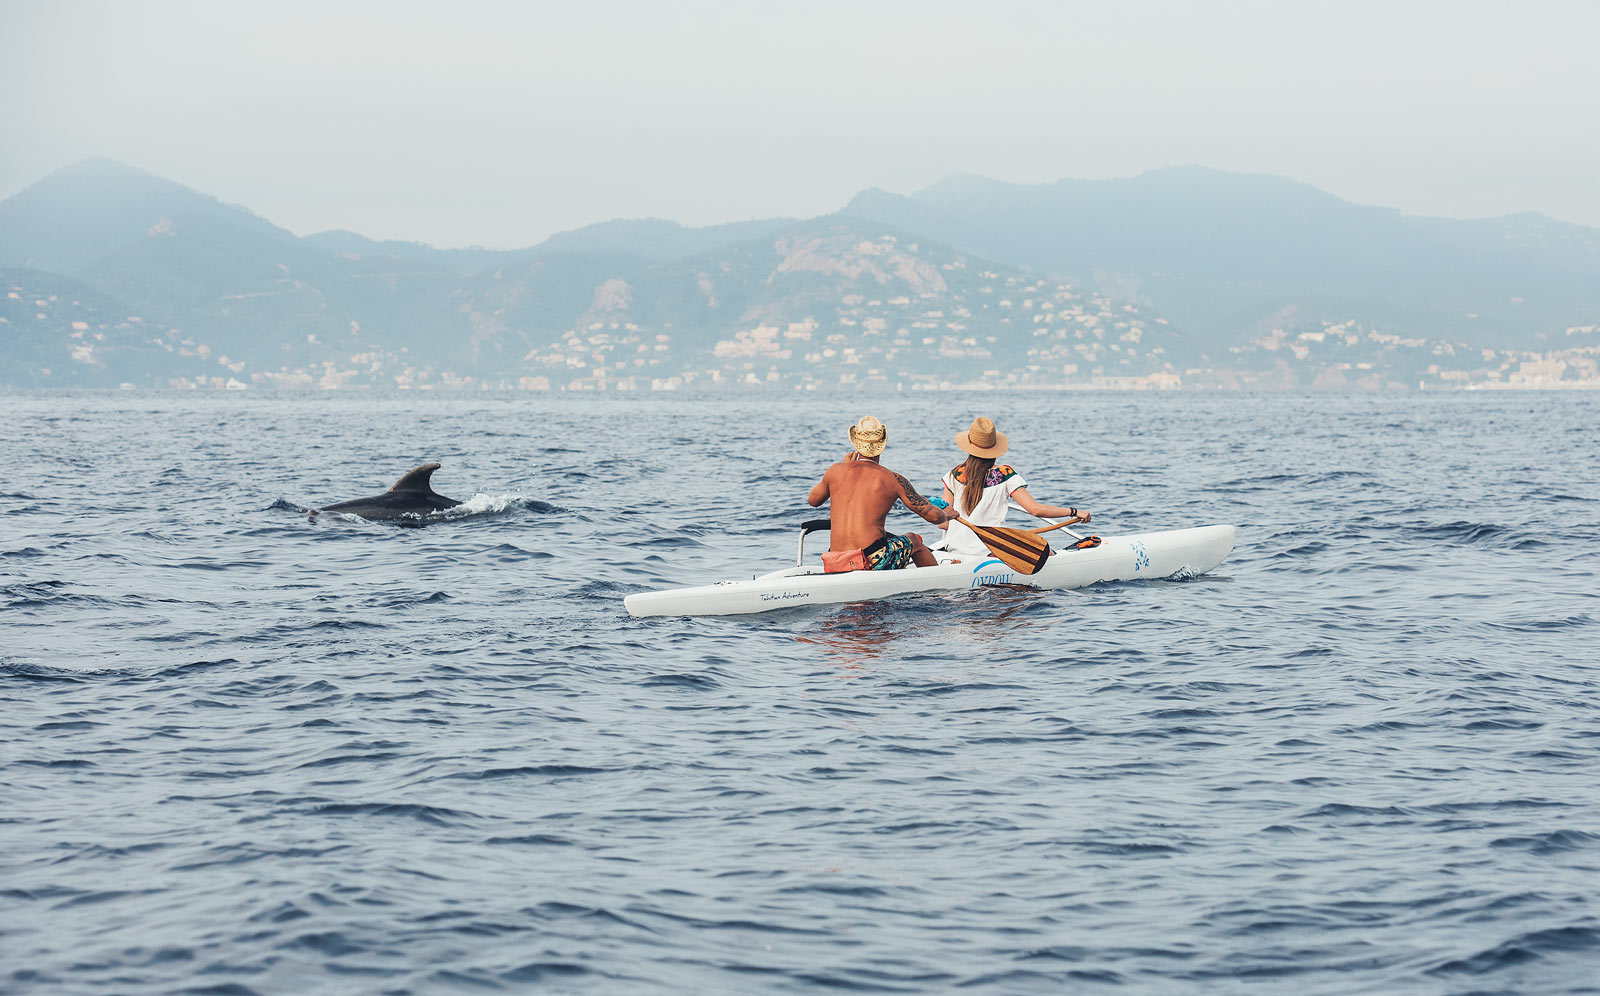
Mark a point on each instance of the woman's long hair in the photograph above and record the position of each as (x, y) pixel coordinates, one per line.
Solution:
(973, 474)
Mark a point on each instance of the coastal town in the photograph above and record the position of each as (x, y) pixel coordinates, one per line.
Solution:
(1009, 332)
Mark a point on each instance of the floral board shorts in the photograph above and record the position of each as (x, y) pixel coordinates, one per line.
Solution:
(889, 553)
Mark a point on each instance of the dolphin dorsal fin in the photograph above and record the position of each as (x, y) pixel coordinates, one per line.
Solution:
(417, 480)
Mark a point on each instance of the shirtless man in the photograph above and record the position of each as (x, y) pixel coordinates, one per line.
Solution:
(862, 493)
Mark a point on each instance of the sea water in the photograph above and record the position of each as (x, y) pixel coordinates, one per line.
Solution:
(243, 750)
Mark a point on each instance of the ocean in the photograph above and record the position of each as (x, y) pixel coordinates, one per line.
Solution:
(247, 751)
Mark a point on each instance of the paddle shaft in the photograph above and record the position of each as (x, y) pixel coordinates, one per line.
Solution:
(1058, 525)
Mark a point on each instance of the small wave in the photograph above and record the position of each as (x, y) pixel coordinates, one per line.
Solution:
(1524, 948)
(1554, 842)
(482, 504)
(189, 667)
(34, 594)
(1462, 531)
(436, 815)
(510, 553)
(607, 591)
(698, 682)
(332, 944)
(1336, 809)
(545, 971)
(675, 540)
(284, 912)
(1537, 625)
(539, 770)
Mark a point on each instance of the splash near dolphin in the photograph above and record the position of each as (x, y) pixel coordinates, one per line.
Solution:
(411, 497)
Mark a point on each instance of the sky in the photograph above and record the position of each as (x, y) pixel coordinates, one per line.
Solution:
(498, 124)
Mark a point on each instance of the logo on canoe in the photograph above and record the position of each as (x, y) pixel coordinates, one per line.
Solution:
(783, 596)
(1141, 556)
(983, 579)
(979, 582)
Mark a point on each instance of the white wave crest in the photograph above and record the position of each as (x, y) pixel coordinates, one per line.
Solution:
(482, 504)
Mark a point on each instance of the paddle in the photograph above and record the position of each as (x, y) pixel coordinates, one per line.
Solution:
(1084, 542)
(1023, 551)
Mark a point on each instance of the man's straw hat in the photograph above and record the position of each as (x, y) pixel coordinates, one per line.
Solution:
(869, 436)
(983, 439)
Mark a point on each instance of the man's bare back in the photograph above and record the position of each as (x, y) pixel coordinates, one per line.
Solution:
(860, 493)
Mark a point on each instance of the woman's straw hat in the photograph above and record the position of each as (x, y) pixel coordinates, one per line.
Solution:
(983, 439)
(869, 437)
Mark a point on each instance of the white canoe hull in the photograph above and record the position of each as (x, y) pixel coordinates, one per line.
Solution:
(1118, 558)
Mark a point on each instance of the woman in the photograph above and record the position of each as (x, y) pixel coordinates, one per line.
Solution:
(979, 489)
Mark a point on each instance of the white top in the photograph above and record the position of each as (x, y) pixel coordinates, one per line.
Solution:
(991, 510)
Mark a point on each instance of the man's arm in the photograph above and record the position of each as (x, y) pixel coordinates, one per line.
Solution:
(950, 503)
(819, 492)
(920, 505)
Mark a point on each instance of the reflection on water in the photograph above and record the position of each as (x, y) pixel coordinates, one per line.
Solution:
(966, 625)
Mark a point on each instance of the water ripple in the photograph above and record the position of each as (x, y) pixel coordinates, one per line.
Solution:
(243, 751)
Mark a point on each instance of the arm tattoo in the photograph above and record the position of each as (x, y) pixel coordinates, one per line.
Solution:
(913, 500)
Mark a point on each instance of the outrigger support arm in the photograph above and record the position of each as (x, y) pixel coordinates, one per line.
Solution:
(810, 526)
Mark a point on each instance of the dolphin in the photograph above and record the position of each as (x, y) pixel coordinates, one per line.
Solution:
(411, 496)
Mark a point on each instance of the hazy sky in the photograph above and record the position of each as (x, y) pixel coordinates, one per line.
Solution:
(498, 123)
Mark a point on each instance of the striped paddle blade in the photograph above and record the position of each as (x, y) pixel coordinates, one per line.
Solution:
(1018, 549)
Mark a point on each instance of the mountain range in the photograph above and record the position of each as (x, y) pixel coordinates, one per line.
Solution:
(1176, 277)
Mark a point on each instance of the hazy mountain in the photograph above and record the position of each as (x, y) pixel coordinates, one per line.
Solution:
(166, 253)
(351, 246)
(1220, 253)
(812, 300)
(78, 218)
(840, 301)
(117, 276)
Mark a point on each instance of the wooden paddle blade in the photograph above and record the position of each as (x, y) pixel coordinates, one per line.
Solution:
(1018, 549)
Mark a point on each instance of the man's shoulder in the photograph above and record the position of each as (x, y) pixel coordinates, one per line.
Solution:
(871, 474)
(860, 469)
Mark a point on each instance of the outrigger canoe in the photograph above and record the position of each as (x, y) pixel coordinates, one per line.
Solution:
(1172, 553)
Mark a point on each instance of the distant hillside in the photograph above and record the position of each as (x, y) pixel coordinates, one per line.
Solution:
(1220, 253)
(804, 304)
(1178, 278)
(840, 302)
(56, 332)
